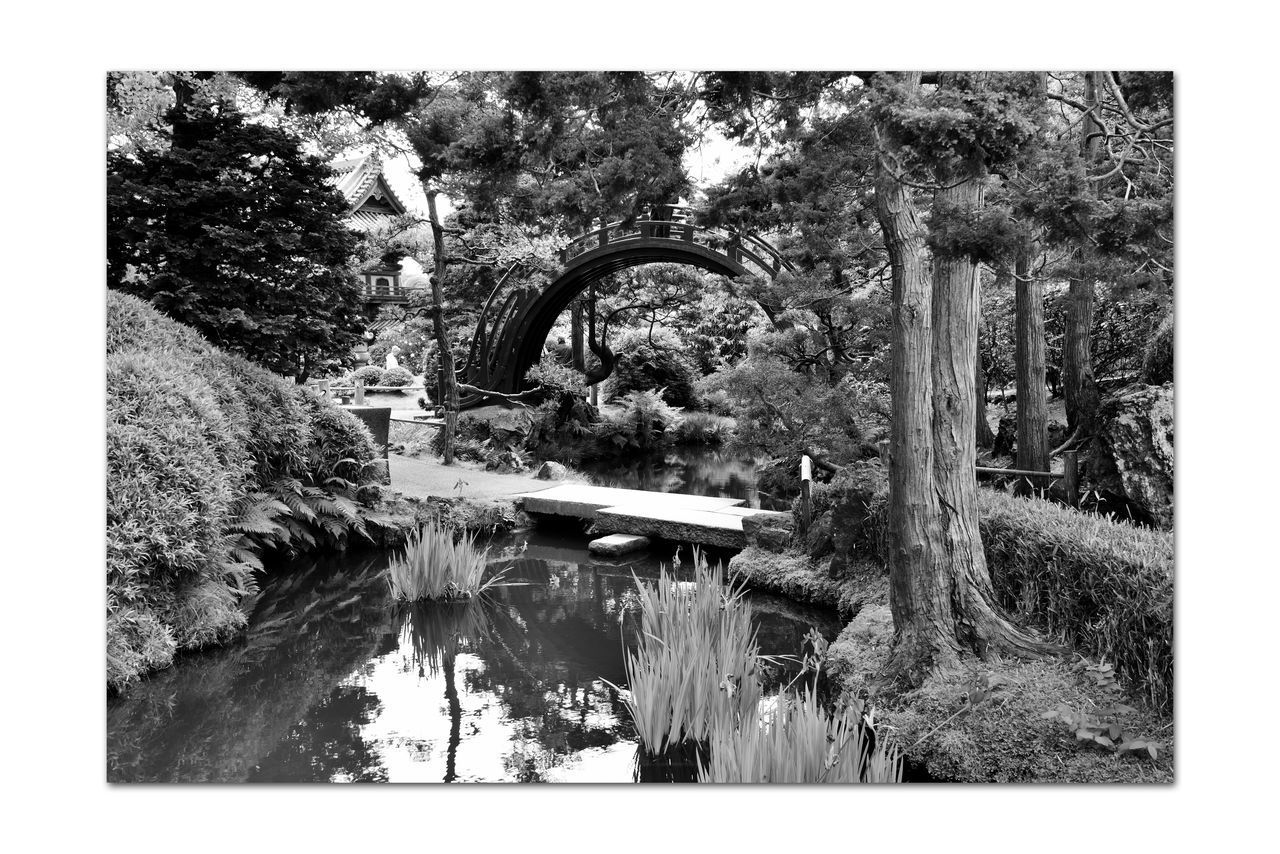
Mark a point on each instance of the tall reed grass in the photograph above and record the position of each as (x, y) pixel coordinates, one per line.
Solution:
(696, 665)
(798, 741)
(695, 678)
(437, 564)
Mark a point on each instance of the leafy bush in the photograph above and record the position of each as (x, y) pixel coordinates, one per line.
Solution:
(642, 366)
(396, 376)
(642, 422)
(785, 413)
(702, 428)
(197, 439)
(369, 375)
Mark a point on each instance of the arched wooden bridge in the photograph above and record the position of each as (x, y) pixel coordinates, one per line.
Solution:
(516, 319)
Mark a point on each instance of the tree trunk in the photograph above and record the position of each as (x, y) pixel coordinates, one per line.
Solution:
(578, 345)
(983, 435)
(1079, 388)
(918, 595)
(1033, 398)
(940, 592)
(450, 402)
(962, 565)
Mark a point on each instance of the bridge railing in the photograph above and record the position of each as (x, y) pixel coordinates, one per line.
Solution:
(743, 248)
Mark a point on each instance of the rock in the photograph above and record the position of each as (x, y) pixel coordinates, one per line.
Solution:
(768, 530)
(617, 544)
(551, 471)
(1134, 456)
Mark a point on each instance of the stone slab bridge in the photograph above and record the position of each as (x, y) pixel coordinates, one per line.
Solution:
(698, 519)
(517, 318)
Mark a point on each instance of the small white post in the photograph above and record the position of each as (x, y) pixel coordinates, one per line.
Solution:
(359, 392)
(806, 494)
(325, 394)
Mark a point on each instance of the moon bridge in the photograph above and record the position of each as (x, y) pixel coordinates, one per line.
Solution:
(517, 317)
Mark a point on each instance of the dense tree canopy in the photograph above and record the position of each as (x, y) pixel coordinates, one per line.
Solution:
(239, 235)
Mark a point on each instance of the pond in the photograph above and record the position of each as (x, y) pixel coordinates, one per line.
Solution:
(336, 682)
(689, 469)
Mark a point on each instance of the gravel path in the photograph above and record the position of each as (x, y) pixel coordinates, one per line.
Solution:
(422, 478)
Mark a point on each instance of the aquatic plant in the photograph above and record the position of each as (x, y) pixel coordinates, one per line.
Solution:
(436, 564)
(798, 741)
(696, 691)
(696, 665)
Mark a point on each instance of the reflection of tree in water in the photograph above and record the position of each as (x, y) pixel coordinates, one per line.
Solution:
(550, 645)
(326, 745)
(436, 632)
(216, 715)
(280, 705)
(690, 470)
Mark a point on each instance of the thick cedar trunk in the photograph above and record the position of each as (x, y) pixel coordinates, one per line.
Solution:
(450, 402)
(919, 596)
(961, 563)
(1079, 388)
(940, 591)
(1033, 397)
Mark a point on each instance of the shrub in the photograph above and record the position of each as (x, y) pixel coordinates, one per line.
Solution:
(369, 375)
(642, 366)
(196, 441)
(642, 422)
(702, 428)
(396, 376)
(1105, 587)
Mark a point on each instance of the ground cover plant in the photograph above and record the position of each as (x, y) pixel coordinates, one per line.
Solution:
(212, 464)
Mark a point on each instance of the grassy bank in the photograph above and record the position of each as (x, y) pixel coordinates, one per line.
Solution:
(212, 463)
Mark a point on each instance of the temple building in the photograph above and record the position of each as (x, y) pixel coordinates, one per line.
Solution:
(373, 203)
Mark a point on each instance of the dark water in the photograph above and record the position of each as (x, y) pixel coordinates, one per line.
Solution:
(689, 469)
(337, 682)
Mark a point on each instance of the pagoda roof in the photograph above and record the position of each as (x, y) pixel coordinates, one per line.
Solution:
(363, 184)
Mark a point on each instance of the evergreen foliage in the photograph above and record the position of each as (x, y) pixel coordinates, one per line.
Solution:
(239, 235)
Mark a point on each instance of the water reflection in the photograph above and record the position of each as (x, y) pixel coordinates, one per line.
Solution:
(690, 469)
(336, 682)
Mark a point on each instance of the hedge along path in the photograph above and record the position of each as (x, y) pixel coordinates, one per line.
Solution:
(1105, 587)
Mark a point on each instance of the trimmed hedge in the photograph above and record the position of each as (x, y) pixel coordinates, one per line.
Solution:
(191, 431)
(369, 375)
(396, 376)
(1104, 587)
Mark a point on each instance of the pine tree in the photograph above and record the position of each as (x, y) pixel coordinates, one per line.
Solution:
(235, 231)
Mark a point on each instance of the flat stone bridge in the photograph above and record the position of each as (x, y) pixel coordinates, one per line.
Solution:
(697, 519)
